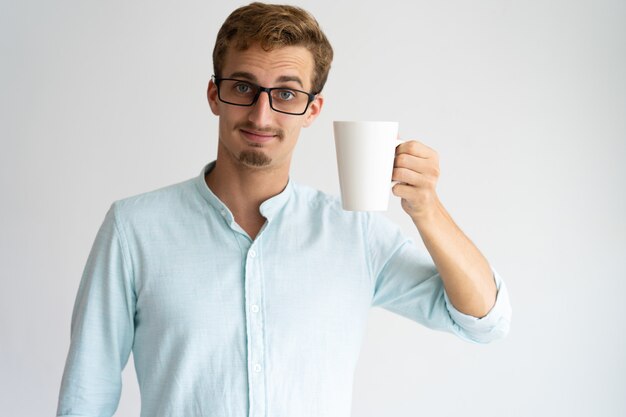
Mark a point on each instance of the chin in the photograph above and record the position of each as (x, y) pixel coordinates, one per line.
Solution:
(254, 158)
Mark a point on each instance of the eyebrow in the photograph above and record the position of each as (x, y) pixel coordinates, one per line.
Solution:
(281, 79)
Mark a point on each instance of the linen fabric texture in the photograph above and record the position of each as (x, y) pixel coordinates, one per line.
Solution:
(221, 325)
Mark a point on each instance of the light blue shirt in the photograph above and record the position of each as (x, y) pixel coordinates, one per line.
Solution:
(224, 326)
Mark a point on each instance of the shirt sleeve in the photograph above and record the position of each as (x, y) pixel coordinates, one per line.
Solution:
(102, 328)
(407, 282)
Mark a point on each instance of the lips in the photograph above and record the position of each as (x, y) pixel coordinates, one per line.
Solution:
(257, 137)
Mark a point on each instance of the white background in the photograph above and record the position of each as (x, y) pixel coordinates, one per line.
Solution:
(525, 101)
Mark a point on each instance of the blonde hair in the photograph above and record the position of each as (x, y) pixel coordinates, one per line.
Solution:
(273, 26)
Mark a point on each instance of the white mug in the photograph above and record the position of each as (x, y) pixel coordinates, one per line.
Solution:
(365, 155)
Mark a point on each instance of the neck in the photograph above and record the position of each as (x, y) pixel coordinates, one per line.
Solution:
(243, 189)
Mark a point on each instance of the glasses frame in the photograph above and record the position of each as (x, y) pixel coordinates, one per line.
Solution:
(260, 89)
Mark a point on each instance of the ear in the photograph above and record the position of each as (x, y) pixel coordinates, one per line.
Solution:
(314, 110)
(211, 94)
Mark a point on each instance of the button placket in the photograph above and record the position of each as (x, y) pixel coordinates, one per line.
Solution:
(254, 318)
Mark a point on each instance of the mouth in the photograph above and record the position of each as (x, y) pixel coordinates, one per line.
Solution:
(257, 137)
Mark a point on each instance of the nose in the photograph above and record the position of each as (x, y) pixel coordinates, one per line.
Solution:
(261, 112)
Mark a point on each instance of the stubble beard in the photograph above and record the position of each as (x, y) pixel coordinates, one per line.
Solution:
(254, 158)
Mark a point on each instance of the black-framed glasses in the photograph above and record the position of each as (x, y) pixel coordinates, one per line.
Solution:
(245, 93)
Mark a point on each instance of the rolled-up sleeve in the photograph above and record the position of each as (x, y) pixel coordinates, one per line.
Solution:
(102, 328)
(407, 282)
(493, 326)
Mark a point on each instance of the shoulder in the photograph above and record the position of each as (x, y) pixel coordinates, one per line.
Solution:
(323, 215)
(153, 205)
(327, 206)
(316, 201)
(309, 196)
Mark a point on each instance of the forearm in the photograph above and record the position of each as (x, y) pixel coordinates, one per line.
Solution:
(466, 274)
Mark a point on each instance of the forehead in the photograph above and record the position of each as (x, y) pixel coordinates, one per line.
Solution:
(269, 66)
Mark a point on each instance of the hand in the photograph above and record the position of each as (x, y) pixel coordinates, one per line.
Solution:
(416, 168)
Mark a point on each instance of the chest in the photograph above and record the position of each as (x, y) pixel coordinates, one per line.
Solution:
(293, 281)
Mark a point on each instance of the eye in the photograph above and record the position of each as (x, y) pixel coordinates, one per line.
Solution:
(285, 95)
(242, 88)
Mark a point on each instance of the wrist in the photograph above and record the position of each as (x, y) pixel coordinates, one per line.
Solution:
(428, 213)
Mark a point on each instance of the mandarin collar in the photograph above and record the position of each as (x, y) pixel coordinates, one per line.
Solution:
(269, 208)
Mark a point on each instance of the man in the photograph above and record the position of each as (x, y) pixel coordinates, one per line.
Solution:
(241, 293)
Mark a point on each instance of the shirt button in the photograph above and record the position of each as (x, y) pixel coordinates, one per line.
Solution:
(254, 308)
(252, 253)
(223, 212)
(257, 368)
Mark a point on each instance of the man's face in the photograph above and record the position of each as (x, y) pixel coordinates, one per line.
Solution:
(258, 136)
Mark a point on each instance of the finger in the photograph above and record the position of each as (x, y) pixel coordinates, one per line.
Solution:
(411, 200)
(427, 166)
(416, 148)
(403, 190)
(414, 179)
(406, 176)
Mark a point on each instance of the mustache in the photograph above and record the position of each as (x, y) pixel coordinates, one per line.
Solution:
(251, 126)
